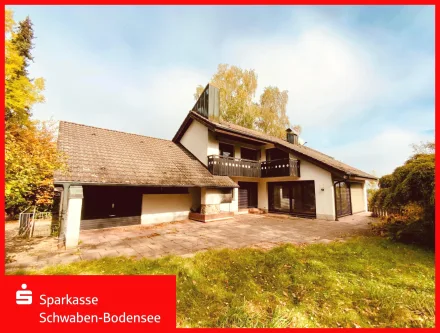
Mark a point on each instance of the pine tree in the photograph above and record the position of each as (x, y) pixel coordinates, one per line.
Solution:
(30, 150)
(21, 91)
(23, 42)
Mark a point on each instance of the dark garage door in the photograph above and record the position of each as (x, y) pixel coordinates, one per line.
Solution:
(110, 206)
(114, 206)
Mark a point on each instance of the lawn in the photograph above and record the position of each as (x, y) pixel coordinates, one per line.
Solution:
(364, 282)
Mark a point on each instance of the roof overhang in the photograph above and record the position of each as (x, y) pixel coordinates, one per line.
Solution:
(231, 132)
(223, 133)
(80, 183)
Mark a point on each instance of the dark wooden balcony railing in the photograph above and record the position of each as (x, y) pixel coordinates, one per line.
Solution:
(280, 168)
(237, 167)
(230, 166)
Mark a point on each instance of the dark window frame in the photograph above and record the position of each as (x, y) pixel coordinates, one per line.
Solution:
(223, 145)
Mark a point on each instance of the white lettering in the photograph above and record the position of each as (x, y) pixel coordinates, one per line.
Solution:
(67, 300)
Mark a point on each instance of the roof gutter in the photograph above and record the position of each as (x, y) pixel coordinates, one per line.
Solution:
(80, 183)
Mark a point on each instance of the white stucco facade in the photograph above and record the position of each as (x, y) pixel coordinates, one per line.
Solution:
(324, 191)
(160, 208)
(357, 197)
(196, 141)
(73, 222)
(213, 147)
(202, 143)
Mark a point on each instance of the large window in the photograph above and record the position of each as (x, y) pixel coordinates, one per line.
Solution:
(249, 154)
(275, 154)
(297, 198)
(343, 199)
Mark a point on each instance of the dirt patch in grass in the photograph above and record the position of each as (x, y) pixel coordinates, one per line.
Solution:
(363, 282)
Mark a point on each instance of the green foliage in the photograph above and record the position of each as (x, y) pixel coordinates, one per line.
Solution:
(237, 91)
(364, 282)
(21, 91)
(23, 42)
(273, 119)
(31, 156)
(409, 188)
(409, 226)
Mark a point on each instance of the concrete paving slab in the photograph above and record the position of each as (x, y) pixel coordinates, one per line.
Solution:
(183, 238)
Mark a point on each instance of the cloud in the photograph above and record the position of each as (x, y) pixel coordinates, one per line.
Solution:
(356, 93)
(356, 90)
(332, 74)
(115, 92)
(381, 153)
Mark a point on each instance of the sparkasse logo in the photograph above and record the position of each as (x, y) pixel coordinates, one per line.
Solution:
(23, 296)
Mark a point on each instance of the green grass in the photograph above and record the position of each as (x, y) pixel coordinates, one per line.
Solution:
(366, 282)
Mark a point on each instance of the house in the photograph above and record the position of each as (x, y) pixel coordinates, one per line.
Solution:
(210, 170)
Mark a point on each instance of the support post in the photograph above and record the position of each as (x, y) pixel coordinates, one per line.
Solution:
(365, 196)
(64, 201)
(73, 218)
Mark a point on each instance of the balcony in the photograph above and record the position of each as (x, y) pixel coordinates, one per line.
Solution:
(233, 167)
(280, 168)
(237, 167)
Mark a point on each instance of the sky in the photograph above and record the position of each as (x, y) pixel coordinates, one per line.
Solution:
(360, 78)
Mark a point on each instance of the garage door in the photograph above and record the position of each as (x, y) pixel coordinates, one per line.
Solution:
(357, 197)
(110, 206)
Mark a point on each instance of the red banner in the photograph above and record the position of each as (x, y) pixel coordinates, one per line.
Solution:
(90, 303)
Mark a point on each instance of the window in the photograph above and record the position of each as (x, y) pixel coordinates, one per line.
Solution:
(226, 149)
(297, 198)
(249, 154)
(275, 154)
(226, 195)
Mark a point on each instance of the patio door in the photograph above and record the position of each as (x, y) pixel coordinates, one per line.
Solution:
(296, 198)
(342, 199)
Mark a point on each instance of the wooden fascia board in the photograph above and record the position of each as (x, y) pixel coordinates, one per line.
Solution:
(312, 160)
(226, 132)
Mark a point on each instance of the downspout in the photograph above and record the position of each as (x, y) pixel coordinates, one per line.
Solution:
(349, 191)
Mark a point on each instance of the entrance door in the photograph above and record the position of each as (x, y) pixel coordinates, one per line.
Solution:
(247, 195)
(296, 198)
(342, 199)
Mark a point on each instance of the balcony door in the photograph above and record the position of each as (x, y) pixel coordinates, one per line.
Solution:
(296, 198)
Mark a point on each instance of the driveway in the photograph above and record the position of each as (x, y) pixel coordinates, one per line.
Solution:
(182, 238)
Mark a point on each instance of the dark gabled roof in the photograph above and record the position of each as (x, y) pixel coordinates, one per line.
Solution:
(102, 156)
(301, 151)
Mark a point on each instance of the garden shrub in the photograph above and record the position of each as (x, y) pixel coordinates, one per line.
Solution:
(409, 190)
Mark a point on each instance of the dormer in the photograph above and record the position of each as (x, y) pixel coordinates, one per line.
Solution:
(291, 136)
(208, 104)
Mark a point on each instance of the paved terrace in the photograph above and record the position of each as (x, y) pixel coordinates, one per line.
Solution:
(180, 238)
